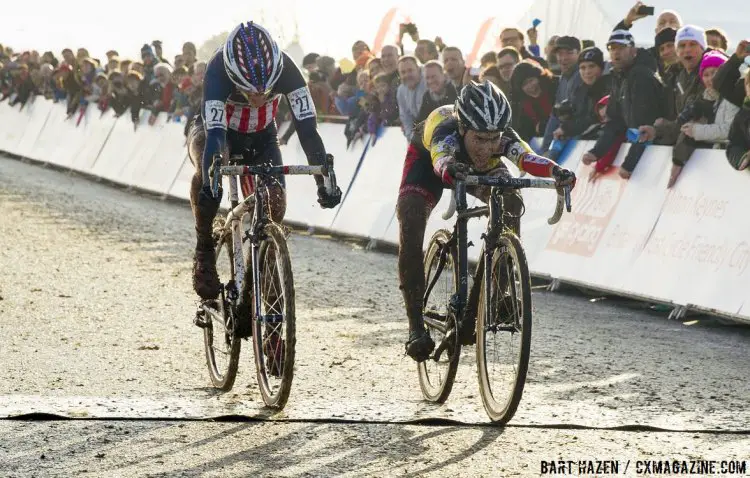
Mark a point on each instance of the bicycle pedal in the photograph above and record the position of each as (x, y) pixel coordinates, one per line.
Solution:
(200, 320)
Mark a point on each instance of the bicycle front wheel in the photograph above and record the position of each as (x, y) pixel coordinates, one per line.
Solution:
(274, 332)
(437, 373)
(504, 331)
(221, 344)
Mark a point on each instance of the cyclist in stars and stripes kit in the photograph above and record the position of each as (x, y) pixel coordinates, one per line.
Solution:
(242, 88)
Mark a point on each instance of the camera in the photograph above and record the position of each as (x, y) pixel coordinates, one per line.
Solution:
(563, 110)
(694, 111)
(645, 10)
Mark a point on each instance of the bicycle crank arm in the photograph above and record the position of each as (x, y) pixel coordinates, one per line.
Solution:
(444, 344)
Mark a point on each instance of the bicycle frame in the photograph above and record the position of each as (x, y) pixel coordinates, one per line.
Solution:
(257, 204)
(495, 211)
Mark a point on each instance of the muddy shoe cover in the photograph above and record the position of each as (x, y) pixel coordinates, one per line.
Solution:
(205, 279)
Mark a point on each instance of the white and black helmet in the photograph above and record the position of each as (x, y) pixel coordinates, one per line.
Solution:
(252, 58)
(483, 107)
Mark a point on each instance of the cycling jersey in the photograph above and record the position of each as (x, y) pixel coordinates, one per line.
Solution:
(439, 136)
(224, 107)
(436, 142)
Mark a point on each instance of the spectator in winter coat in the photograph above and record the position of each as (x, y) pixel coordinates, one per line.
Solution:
(602, 165)
(727, 80)
(586, 100)
(164, 89)
(691, 47)
(635, 98)
(533, 93)
(24, 86)
(738, 152)
(119, 97)
(440, 91)
(47, 82)
(712, 122)
(134, 82)
(670, 68)
(570, 85)
(410, 94)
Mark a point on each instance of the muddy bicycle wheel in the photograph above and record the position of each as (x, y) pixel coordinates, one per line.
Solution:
(274, 333)
(504, 331)
(221, 344)
(437, 373)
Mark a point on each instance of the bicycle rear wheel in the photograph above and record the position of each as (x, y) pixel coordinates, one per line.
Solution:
(504, 332)
(221, 344)
(274, 336)
(437, 374)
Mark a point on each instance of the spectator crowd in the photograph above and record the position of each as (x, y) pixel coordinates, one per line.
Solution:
(686, 91)
(80, 81)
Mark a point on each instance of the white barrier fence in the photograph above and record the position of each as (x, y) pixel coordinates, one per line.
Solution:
(688, 246)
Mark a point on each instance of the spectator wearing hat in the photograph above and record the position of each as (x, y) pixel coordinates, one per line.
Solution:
(111, 54)
(666, 19)
(596, 85)
(691, 46)
(669, 67)
(728, 81)
(440, 91)
(149, 60)
(125, 66)
(570, 86)
(738, 152)
(635, 98)
(533, 92)
(706, 121)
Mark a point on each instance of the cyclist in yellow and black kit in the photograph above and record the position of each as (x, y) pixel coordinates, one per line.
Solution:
(473, 134)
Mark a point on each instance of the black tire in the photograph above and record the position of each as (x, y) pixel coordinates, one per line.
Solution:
(436, 377)
(222, 375)
(502, 402)
(278, 276)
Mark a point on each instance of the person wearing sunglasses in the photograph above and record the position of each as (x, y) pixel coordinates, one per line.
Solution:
(243, 84)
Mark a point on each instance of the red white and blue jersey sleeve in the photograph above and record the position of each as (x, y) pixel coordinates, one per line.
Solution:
(224, 107)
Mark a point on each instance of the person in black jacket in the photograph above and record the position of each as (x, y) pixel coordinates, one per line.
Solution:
(738, 152)
(727, 80)
(440, 91)
(635, 99)
(596, 85)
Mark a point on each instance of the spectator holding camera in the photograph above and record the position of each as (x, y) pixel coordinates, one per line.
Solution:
(583, 107)
(569, 87)
(635, 98)
(712, 120)
(440, 91)
(738, 152)
(666, 19)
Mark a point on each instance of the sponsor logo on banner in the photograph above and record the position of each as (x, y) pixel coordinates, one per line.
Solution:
(594, 204)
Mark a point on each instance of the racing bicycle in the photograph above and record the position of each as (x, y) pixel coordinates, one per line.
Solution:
(503, 310)
(257, 294)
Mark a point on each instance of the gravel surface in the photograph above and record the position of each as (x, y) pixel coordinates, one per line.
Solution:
(97, 306)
